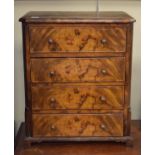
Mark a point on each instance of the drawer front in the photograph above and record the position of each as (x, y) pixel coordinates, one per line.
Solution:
(66, 125)
(77, 97)
(46, 39)
(78, 69)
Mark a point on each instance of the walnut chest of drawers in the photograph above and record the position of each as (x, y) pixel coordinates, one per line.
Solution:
(77, 75)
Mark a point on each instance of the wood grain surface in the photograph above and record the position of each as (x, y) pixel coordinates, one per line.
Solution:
(77, 125)
(79, 38)
(77, 17)
(45, 97)
(80, 148)
(78, 69)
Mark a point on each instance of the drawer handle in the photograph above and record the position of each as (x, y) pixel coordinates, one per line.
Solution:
(76, 90)
(52, 127)
(52, 100)
(103, 41)
(103, 126)
(52, 73)
(50, 41)
(81, 46)
(102, 98)
(103, 71)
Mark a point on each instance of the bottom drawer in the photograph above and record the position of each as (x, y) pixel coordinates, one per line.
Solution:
(81, 125)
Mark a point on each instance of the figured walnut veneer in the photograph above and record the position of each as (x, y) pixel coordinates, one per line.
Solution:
(78, 69)
(77, 75)
(77, 97)
(77, 39)
(78, 125)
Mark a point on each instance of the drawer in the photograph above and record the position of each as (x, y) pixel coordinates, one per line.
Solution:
(110, 69)
(66, 125)
(77, 97)
(45, 39)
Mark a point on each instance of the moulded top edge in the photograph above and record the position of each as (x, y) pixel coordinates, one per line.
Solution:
(76, 17)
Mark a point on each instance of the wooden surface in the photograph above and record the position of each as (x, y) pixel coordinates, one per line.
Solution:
(79, 148)
(75, 125)
(72, 17)
(78, 70)
(77, 38)
(61, 96)
(77, 49)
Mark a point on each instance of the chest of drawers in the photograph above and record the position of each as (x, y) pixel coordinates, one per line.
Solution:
(77, 75)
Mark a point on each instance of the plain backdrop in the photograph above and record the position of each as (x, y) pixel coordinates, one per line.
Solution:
(22, 7)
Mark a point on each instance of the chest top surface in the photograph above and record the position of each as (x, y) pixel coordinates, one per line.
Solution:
(75, 17)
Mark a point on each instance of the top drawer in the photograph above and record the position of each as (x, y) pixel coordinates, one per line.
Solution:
(79, 38)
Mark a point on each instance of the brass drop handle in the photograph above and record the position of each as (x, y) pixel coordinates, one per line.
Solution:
(103, 41)
(103, 126)
(103, 71)
(50, 41)
(52, 73)
(102, 98)
(52, 127)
